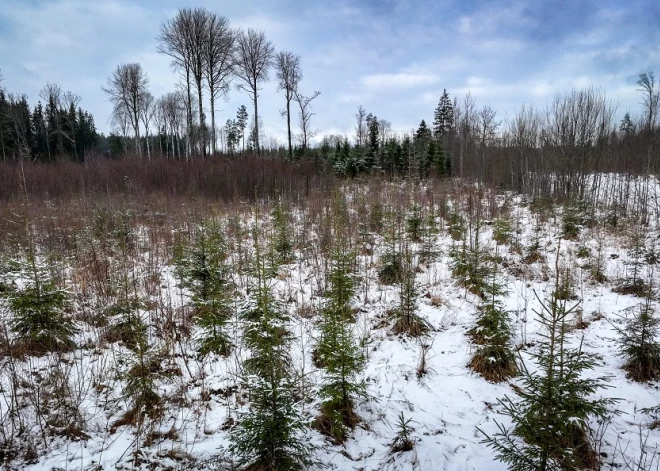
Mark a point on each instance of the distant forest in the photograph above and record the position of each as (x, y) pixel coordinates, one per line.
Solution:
(554, 148)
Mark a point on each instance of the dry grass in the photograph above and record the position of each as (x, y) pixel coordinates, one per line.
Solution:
(493, 367)
(325, 424)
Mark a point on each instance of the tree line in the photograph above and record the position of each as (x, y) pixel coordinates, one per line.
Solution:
(56, 128)
(559, 149)
(210, 55)
(555, 149)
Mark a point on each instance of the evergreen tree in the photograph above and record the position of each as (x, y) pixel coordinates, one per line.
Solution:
(240, 124)
(423, 138)
(429, 252)
(443, 121)
(282, 243)
(40, 141)
(470, 265)
(627, 127)
(391, 270)
(494, 358)
(206, 275)
(551, 417)
(415, 223)
(373, 141)
(406, 319)
(338, 353)
(271, 435)
(39, 306)
(639, 344)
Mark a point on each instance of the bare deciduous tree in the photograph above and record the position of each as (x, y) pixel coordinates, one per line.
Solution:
(127, 87)
(305, 116)
(578, 122)
(119, 121)
(254, 55)
(196, 39)
(218, 62)
(173, 41)
(173, 106)
(289, 76)
(486, 133)
(147, 110)
(650, 98)
(384, 130)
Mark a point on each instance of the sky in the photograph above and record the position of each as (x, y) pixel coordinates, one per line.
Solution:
(392, 57)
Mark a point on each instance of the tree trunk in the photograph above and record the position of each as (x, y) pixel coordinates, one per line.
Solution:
(256, 120)
(202, 129)
(2, 141)
(288, 125)
(148, 149)
(188, 113)
(137, 140)
(213, 136)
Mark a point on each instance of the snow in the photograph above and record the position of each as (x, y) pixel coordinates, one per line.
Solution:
(446, 406)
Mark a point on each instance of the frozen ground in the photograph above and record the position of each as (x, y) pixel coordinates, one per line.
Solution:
(446, 406)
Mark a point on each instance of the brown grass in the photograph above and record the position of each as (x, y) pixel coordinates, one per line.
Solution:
(324, 424)
(493, 371)
(412, 325)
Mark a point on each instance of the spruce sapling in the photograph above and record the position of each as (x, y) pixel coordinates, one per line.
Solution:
(551, 417)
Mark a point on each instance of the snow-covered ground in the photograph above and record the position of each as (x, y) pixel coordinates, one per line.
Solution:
(446, 405)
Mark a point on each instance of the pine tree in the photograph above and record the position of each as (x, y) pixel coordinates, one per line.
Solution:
(271, 435)
(140, 378)
(338, 353)
(403, 441)
(551, 417)
(633, 283)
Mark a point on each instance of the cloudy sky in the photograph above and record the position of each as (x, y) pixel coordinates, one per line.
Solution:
(393, 57)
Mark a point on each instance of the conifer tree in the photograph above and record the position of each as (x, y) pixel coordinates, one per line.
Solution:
(494, 358)
(241, 123)
(282, 243)
(414, 223)
(140, 379)
(338, 353)
(206, 275)
(407, 321)
(428, 251)
(38, 306)
(271, 435)
(391, 269)
(470, 265)
(639, 344)
(551, 417)
(443, 118)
